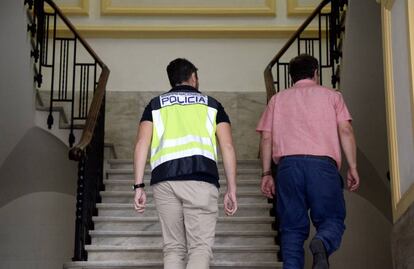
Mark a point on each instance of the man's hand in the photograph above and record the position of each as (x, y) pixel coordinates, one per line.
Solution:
(230, 203)
(140, 200)
(268, 186)
(352, 179)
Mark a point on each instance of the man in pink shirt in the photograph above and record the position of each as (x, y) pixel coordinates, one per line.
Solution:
(301, 130)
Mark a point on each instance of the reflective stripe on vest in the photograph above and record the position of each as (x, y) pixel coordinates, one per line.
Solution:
(184, 126)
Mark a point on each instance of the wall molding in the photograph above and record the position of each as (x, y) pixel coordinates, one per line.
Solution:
(107, 9)
(410, 22)
(294, 9)
(186, 31)
(390, 111)
(79, 10)
(388, 4)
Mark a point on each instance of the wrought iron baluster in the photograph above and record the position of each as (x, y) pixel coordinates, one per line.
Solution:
(60, 70)
(71, 134)
(85, 109)
(278, 77)
(320, 46)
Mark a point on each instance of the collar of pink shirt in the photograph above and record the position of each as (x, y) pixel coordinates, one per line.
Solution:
(304, 82)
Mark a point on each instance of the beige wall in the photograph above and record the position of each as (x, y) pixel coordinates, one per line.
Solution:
(37, 231)
(37, 203)
(403, 241)
(37, 181)
(227, 64)
(362, 85)
(366, 241)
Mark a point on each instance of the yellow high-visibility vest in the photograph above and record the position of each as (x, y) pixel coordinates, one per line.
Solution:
(184, 125)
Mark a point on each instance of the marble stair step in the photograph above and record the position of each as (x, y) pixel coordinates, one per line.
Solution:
(126, 184)
(128, 196)
(128, 163)
(128, 173)
(232, 223)
(223, 238)
(127, 210)
(159, 265)
(243, 253)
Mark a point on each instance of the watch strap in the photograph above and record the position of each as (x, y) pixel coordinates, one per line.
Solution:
(137, 186)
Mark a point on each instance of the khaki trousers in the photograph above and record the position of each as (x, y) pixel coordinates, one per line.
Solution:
(188, 214)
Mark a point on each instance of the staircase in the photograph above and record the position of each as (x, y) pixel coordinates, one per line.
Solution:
(123, 238)
(109, 233)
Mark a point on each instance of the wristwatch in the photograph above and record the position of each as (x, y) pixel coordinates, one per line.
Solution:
(137, 186)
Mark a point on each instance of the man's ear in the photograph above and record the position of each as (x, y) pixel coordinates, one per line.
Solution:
(316, 75)
(194, 76)
(193, 80)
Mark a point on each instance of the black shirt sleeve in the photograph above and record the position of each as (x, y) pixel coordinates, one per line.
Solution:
(221, 114)
(147, 114)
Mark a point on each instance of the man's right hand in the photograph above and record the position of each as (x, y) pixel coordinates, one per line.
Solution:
(140, 200)
(268, 186)
(352, 179)
(230, 203)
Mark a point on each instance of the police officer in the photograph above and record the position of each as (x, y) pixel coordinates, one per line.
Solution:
(181, 126)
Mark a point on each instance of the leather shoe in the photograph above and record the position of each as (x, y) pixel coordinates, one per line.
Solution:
(320, 256)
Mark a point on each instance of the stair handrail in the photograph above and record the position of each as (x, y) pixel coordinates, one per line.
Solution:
(89, 151)
(268, 76)
(78, 150)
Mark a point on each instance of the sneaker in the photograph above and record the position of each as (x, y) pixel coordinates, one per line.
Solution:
(320, 257)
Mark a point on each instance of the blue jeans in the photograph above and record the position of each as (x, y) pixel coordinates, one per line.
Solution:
(308, 184)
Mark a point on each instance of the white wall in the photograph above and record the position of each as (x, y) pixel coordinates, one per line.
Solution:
(16, 77)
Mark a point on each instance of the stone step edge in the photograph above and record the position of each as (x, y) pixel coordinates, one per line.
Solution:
(127, 161)
(152, 206)
(121, 171)
(155, 219)
(142, 264)
(150, 193)
(130, 182)
(94, 233)
(234, 249)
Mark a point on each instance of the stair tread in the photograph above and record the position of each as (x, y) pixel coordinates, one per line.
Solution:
(159, 247)
(158, 233)
(148, 219)
(144, 264)
(130, 161)
(150, 193)
(129, 205)
(130, 181)
(221, 170)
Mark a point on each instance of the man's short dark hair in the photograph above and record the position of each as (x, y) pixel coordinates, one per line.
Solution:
(302, 67)
(180, 70)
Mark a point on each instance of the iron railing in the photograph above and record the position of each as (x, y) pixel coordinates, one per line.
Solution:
(67, 67)
(324, 43)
